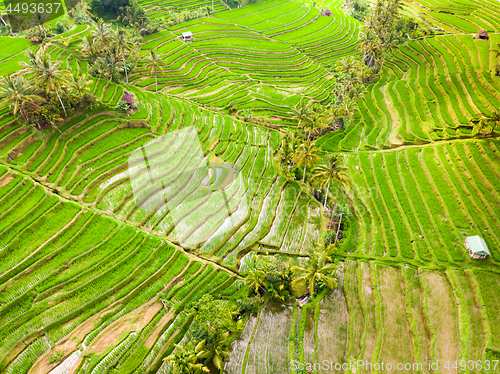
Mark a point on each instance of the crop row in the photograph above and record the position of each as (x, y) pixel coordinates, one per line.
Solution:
(421, 204)
(430, 90)
(82, 267)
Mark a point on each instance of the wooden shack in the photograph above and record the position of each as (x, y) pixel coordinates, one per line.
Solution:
(128, 99)
(483, 35)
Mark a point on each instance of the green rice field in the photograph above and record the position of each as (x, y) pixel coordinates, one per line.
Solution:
(92, 282)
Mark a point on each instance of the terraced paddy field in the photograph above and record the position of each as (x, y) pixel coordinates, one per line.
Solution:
(396, 314)
(457, 16)
(430, 91)
(88, 271)
(156, 8)
(270, 57)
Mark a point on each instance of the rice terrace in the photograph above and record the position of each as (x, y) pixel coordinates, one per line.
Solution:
(249, 186)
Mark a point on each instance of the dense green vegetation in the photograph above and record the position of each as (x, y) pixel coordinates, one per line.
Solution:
(366, 145)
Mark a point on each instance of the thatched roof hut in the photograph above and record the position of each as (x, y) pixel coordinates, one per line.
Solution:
(128, 98)
(327, 12)
(483, 35)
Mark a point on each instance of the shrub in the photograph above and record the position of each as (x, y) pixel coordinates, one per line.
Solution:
(212, 316)
(55, 357)
(61, 26)
(122, 106)
(248, 304)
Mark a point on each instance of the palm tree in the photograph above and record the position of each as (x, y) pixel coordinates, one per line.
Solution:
(316, 270)
(492, 120)
(122, 44)
(347, 108)
(46, 73)
(317, 120)
(347, 64)
(497, 51)
(78, 82)
(102, 33)
(107, 66)
(367, 45)
(255, 280)
(284, 155)
(153, 64)
(219, 350)
(83, 7)
(357, 91)
(307, 154)
(390, 43)
(332, 171)
(184, 359)
(90, 47)
(15, 92)
(302, 115)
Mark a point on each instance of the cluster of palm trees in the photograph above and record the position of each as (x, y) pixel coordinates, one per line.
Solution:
(195, 358)
(379, 35)
(298, 152)
(279, 283)
(29, 90)
(108, 50)
(269, 276)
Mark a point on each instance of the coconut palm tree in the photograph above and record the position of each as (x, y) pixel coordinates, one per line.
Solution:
(90, 47)
(302, 115)
(46, 73)
(318, 120)
(492, 120)
(107, 66)
(102, 32)
(316, 270)
(347, 108)
(219, 351)
(77, 82)
(389, 43)
(83, 7)
(357, 91)
(255, 280)
(153, 64)
(347, 64)
(332, 171)
(367, 45)
(284, 156)
(122, 45)
(307, 154)
(184, 359)
(15, 92)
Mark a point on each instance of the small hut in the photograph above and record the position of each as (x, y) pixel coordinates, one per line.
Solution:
(187, 36)
(128, 99)
(483, 35)
(327, 12)
(477, 247)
